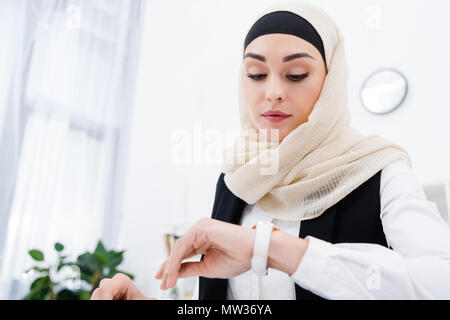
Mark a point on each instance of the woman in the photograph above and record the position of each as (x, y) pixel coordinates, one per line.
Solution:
(345, 218)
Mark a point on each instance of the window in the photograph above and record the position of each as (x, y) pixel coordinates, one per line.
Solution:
(74, 98)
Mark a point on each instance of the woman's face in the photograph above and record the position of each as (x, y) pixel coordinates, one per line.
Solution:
(282, 73)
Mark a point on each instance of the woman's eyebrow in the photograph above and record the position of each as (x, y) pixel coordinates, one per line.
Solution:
(285, 59)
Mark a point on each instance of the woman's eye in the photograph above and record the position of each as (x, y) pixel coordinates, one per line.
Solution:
(293, 77)
(297, 77)
(257, 76)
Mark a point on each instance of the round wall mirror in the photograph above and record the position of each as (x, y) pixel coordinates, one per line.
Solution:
(384, 91)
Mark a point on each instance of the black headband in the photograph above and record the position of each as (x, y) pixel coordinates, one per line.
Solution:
(288, 23)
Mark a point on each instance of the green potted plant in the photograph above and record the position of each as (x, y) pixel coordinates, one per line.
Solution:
(89, 268)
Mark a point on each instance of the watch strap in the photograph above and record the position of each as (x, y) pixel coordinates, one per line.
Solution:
(261, 247)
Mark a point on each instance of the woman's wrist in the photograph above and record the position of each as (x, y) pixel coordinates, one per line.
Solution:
(286, 252)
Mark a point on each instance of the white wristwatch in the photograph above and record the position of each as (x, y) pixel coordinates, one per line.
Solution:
(261, 247)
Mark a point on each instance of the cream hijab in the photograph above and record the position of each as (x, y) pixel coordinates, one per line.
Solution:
(322, 160)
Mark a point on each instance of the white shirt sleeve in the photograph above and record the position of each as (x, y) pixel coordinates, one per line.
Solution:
(417, 267)
(195, 294)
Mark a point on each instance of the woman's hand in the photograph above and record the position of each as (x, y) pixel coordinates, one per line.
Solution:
(119, 287)
(227, 248)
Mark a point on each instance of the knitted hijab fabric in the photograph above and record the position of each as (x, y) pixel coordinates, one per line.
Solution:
(321, 161)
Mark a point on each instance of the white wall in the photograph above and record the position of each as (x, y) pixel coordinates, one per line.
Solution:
(412, 38)
(189, 63)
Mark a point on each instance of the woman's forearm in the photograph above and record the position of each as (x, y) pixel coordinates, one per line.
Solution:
(286, 252)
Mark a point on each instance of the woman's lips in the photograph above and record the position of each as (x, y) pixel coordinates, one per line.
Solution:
(275, 119)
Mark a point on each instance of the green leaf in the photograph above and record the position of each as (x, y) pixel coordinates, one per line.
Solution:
(62, 264)
(59, 247)
(86, 277)
(114, 259)
(67, 294)
(41, 282)
(100, 253)
(101, 258)
(36, 255)
(32, 268)
(37, 269)
(88, 263)
(84, 295)
(100, 248)
(39, 289)
(38, 293)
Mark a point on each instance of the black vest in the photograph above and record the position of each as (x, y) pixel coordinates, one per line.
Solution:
(355, 218)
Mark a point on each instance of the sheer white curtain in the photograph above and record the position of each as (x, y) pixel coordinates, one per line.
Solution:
(75, 99)
(13, 16)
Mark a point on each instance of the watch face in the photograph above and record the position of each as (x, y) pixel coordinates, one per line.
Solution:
(384, 91)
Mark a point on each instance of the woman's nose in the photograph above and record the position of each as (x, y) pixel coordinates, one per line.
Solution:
(275, 91)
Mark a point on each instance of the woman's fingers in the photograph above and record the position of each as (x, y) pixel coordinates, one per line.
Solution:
(161, 269)
(119, 287)
(192, 269)
(111, 289)
(101, 294)
(173, 262)
(162, 273)
(193, 242)
(105, 291)
(227, 247)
